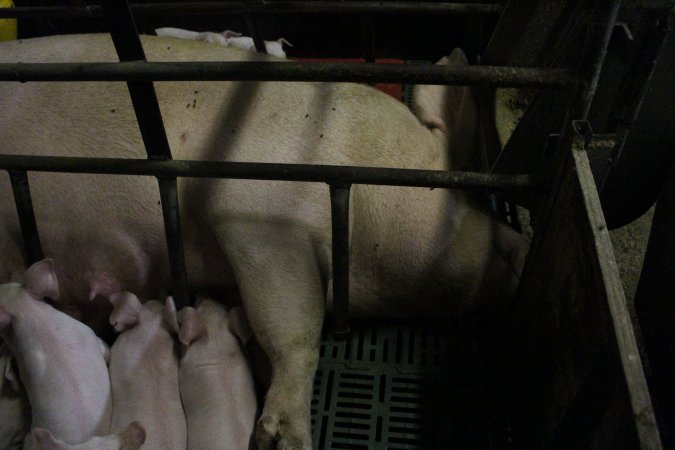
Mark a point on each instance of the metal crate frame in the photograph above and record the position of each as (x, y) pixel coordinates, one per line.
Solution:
(139, 74)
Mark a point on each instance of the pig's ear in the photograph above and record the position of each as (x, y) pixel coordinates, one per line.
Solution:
(12, 376)
(44, 440)
(126, 307)
(238, 324)
(192, 326)
(436, 106)
(40, 280)
(132, 437)
(169, 318)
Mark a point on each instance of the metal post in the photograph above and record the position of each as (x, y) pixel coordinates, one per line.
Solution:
(253, 30)
(129, 48)
(339, 207)
(24, 208)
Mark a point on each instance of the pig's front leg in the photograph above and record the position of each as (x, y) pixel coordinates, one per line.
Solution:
(282, 292)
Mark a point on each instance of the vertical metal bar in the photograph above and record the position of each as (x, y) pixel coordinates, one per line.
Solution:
(252, 25)
(24, 208)
(368, 37)
(599, 34)
(143, 97)
(339, 206)
(168, 190)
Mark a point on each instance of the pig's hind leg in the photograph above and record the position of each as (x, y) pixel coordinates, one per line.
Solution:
(281, 290)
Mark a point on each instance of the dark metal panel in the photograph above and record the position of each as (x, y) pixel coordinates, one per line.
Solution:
(24, 208)
(288, 71)
(575, 377)
(174, 238)
(339, 207)
(631, 178)
(269, 171)
(655, 305)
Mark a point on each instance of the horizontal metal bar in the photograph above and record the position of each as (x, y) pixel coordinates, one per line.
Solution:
(268, 7)
(288, 71)
(268, 171)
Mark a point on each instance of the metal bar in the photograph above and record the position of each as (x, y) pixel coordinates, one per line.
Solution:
(143, 97)
(174, 239)
(253, 30)
(289, 71)
(368, 37)
(269, 171)
(599, 33)
(129, 48)
(339, 208)
(24, 208)
(268, 7)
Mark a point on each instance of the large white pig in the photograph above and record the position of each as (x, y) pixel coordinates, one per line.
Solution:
(216, 383)
(130, 438)
(414, 252)
(144, 372)
(60, 361)
(14, 407)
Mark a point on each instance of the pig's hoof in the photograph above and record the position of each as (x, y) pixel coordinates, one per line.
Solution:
(273, 432)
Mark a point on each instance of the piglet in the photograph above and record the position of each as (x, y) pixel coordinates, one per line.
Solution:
(144, 372)
(130, 438)
(14, 407)
(227, 39)
(216, 383)
(60, 362)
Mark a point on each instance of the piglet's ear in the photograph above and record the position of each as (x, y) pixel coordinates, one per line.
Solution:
(126, 307)
(132, 437)
(192, 326)
(44, 440)
(227, 34)
(169, 316)
(238, 324)
(40, 280)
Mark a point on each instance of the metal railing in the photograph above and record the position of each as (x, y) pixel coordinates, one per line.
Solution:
(139, 75)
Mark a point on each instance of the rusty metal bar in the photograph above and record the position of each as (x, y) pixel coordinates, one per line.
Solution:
(269, 171)
(339, 208)
(268, 7)
(143, 97)
(289, 71)
(24, 208)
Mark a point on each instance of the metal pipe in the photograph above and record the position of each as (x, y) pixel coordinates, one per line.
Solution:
(268, 7)
(258, 41)
(339, 208)
(174, 240)
(269, 171)
(24, 208)
(289, 71)
(599, 34)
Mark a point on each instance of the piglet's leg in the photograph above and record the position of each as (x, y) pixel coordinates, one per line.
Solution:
(282, 293)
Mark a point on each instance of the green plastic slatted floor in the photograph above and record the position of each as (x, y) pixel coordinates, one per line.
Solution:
(402, 387)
